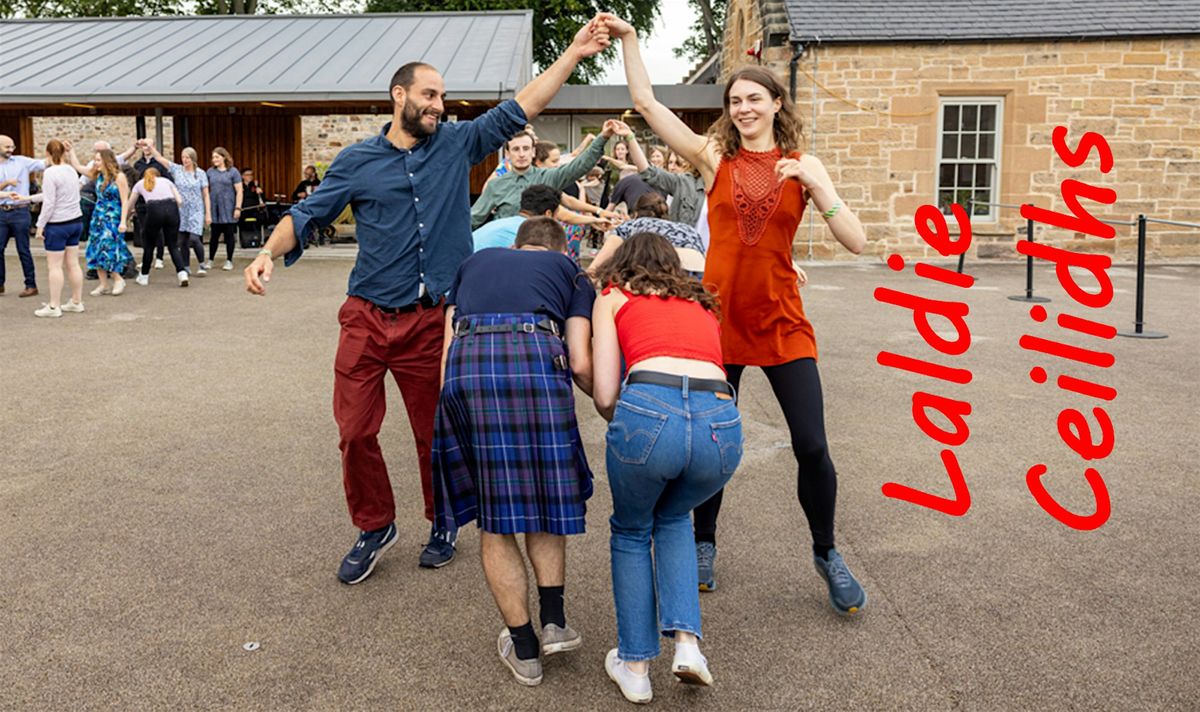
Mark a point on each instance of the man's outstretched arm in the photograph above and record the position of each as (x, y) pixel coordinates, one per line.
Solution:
(591, 39)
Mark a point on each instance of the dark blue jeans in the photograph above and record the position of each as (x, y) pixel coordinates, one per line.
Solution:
(15, 223)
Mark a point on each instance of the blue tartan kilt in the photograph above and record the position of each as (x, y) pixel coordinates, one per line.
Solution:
(506, 445)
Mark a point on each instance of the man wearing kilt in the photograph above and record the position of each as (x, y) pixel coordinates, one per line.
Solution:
(507, 451)
(409, 189)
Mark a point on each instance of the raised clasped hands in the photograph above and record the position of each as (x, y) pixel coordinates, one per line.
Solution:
(592, 38)
(621, 128)
(616, 26)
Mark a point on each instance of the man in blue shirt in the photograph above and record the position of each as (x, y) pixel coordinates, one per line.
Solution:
(14, 215)
(536, 201)
(410, 192)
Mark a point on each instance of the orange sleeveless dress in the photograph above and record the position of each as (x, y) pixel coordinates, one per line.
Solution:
(752, 220)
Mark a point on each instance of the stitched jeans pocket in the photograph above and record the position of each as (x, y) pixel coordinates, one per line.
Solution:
(633, 432)
(728, 436)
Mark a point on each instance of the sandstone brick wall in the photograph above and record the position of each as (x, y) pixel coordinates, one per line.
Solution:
(324, 136)
(83, 131)
(1143, 95)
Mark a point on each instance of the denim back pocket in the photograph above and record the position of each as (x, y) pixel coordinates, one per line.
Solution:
(728, 436)
(633, 432)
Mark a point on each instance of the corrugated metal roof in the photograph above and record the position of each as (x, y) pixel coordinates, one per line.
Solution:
(997, 20)
(484, 55)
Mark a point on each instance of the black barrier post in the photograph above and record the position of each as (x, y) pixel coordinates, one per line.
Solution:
(962, 256)
(1028, 296)
(1138, 323)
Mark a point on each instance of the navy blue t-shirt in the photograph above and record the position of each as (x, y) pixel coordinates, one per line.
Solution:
(499, 280)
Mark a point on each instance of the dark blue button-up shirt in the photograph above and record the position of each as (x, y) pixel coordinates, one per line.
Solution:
(412, 208)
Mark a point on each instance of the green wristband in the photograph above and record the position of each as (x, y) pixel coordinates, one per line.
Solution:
(832, 211)
(268, 253)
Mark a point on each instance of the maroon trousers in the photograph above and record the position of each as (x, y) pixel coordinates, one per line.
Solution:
(371, 344)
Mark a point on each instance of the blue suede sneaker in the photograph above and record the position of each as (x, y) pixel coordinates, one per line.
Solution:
(440, 549)
(706, 555)
(845, 593)
(361, 560)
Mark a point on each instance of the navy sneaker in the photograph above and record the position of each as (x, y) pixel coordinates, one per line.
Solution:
(361, 560)
(706, 555)
(440, 549)
(845, 593)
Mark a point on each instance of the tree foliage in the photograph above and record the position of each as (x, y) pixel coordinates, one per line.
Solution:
(707, 31)
(88, 8)
(555, 23)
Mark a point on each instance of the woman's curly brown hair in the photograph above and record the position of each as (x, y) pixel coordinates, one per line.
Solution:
(647, 264)
(787, 128)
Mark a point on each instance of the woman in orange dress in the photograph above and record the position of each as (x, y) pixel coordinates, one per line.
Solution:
(758, 184)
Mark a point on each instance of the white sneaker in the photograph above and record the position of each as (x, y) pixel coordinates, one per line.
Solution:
(119, 287)
(143, 279)
(158, 264)
(76, 307)
(100, 291)
(207, 265)
(636, 688)
(690, 666)
(200, 272)
(48, 312)
(228, 265)
(182, 276)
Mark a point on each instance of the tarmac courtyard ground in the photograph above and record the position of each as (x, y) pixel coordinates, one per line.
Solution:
(170, 490)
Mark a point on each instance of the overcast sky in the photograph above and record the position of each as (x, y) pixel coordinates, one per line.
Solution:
(663, 66)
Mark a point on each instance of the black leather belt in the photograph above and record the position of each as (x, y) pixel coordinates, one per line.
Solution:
(425, 302)
(654, 378)
(6, 207)
(464, 327)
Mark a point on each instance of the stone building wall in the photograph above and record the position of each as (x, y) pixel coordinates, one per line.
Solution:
(83, 131)
(1142, 95)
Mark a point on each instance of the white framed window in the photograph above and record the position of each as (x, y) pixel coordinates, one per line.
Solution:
(969, 131)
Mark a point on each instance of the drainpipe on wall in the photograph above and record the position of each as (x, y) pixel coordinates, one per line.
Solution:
(796, 55)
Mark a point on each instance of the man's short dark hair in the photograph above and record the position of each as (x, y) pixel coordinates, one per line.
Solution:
(543, 232)
(520, 134)
(406, 75)
(540, 199)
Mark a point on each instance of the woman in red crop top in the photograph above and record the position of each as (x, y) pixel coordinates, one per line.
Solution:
(674, 439)
(758, 184)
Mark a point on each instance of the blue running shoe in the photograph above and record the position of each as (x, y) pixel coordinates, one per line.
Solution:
(706, 555)
(361, 560)
(440, 549)
(845, 593)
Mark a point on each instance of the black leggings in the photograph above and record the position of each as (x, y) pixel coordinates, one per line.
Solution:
(189, 241)
(797, 387)
(162, 223)
(229, 230)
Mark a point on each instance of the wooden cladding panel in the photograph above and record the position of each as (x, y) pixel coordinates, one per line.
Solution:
(268, 144)
(20, 130)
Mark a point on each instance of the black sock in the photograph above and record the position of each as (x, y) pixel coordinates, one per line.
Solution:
(525, 641)
(551, 602)
(822, 550)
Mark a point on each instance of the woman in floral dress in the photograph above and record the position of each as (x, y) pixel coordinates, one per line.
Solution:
(107, 252)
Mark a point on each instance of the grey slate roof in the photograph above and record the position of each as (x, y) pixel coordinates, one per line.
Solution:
(261, 57)
(995, 20)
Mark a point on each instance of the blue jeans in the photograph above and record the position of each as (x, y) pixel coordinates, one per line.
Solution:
(669, 449)
(15, 223)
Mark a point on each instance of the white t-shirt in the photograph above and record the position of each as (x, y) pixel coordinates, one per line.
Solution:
(59, 196)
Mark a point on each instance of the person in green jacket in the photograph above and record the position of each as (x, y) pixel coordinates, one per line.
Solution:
(501, 197)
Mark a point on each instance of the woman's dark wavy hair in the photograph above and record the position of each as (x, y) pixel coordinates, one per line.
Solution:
(647, 264)
(787, 128)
